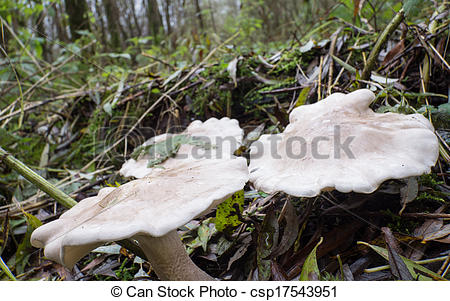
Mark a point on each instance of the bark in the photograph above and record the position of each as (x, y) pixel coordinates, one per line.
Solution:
(135, 19)
(127, 14)
(154, 18)
(99, 11)
(213, 21)
(39, 24)
(198, 12)
(77, 10)
(167, 16)
(58, 22)
(113, 20)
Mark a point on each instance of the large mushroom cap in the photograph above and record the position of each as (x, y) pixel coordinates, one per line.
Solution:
(224, 135)
(340, 143)
(154, 205)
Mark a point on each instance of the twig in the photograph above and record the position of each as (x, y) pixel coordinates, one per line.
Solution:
(44, 102)
(331, 53)
(186, 88)
(159, 60)
(427, 215)
(283, 90)
(390, 28)
(359, 29)
(319, 79)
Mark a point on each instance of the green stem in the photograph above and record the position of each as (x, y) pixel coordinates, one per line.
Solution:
(6, 270)
(36, 179)
(395, 22)
(425, 261)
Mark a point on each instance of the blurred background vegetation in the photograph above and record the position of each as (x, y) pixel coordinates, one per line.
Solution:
(184, 27)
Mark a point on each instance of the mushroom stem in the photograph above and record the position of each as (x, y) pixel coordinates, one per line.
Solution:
(169, 259)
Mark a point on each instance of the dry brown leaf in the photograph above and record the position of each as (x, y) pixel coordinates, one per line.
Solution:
(397, 49)
(442, 232)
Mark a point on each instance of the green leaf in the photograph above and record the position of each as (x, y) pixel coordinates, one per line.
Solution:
(227, 214)
(7, 138)
(110, 250)
(412, 266)
(346, 66)
(23, 252)
(301, 100)
(32, 220)
(173, 76)
(310, 270)
(204, 233)
(412, 7)
(108, 108)
(444, 108)
(38, 48)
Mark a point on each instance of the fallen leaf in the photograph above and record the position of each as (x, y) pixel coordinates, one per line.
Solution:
(398, 48)
(240, 252)
(310, 270)
(398, 266)
(277, 272)
(409, 192)
(290, 230)
(93, 263)
(267, 240)
(232, 70)
(390, 239)
(348, 275)
(442, 232)
(110, 250)
(229, 211)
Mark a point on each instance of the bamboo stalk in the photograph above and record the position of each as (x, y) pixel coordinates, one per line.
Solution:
(36, 179)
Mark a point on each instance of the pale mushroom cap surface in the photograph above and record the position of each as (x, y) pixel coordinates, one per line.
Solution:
(340, 143)
(223, 134)
(153, 205)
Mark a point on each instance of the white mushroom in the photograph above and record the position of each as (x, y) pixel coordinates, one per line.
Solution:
(148, 210)
(224, 136)
(340, 143)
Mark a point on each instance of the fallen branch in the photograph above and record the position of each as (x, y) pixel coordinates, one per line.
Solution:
(427, 215)
(276, 91)
(390, 28)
